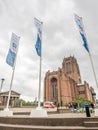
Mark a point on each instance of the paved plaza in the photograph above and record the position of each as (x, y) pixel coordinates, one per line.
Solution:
(52, 114)
(21, 120)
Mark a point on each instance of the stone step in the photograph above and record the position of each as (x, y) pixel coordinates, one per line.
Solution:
(43, 121)
(48, 121)
(28, 113)
(91, 124)
(29, 127)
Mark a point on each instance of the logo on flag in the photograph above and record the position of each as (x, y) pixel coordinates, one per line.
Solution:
(10, 60)
(79, 23)
(38, 25)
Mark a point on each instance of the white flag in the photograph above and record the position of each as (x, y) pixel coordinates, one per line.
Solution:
(12, 50)
(79, 23)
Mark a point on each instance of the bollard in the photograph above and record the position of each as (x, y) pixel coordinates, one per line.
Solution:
(87, 111)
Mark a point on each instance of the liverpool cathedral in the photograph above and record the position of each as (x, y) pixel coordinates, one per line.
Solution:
(64, 85)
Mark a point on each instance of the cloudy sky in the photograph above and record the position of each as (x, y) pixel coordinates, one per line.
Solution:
(60, 39)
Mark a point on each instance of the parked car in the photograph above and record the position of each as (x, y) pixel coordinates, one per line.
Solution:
(49, 104)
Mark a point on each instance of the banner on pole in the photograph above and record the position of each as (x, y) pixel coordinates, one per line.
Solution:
(38, 25)
(10, 60)
(79, 23)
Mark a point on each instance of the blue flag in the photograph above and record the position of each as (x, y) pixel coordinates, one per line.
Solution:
(10, 60)
(38, 45)
(85, 42)
(38, 25)
(79, 23)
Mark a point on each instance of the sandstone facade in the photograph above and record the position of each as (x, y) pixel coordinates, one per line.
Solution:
(64, 85)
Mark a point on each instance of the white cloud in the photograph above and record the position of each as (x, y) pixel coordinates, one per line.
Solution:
(60, 39)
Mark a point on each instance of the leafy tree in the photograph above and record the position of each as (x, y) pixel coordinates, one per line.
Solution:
(81, 101)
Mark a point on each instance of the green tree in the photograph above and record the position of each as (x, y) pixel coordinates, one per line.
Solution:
(81, 101)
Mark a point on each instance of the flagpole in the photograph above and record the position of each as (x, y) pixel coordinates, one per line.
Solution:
(40, 71)
(90, 56)
(39, 112)
(7, 105)
(93, 69)
(39, 91)
(83, 35)
(9, 95)
(2, 80)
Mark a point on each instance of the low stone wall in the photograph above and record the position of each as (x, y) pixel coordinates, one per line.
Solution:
(46, 121)
(64, 110)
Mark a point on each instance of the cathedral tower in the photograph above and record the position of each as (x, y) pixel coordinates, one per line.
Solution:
(71, 69)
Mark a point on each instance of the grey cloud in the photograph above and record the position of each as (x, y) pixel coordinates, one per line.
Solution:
(60, 39)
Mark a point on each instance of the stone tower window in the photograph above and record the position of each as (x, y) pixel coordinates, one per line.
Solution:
(54, 89)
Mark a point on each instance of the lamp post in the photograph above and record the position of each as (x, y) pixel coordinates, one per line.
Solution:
(2, 80)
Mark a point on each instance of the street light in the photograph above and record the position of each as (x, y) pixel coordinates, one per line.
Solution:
(94, 97)
(2, 80)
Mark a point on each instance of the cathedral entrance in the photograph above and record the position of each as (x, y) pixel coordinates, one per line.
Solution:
(54, 90)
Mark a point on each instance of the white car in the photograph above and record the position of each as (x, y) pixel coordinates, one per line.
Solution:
(49, 104)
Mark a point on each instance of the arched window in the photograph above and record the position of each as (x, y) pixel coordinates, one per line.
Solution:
(54, 88)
